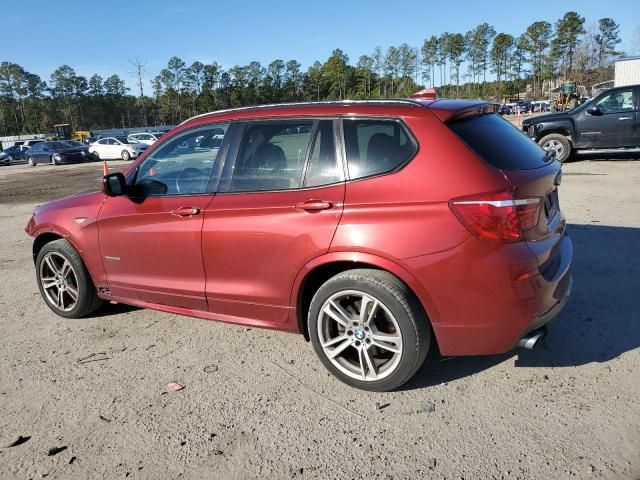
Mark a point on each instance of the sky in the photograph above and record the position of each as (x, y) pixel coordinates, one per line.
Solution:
(106, 37)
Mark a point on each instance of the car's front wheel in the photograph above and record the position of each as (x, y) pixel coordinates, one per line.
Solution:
(557, 143)
(368, 329)
(125, 155)
(96, 155)
(31, 162)
(64, 281)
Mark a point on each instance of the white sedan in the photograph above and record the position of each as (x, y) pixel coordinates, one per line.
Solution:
(116, 147)
(145, 137)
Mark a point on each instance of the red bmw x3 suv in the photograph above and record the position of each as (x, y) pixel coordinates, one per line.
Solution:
(380, 230)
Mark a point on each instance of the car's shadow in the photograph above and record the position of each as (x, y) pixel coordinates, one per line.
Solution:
(108, 309)
(600, 322)
(588, 155)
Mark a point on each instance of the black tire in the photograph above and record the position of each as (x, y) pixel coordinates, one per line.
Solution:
(54, 162)
(393, 294)
(564, 152)
(30, 162)
(87, 299)
(96, 156)
(125, 155)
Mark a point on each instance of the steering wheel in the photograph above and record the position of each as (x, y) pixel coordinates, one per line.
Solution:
(186, 178)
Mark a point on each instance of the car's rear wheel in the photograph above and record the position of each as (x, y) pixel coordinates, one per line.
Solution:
(64, 281)
(31, 162)
(368, 329)
(558, 143)
(125, 155)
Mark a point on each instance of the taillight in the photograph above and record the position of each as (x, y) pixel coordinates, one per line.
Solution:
(497, 217)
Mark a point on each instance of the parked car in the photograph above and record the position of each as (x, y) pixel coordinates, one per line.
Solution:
(116, 147)
(380, 230)
(144, 138)
(504, 109)
(610, 121)
(16, 153)
(522, 107)
(56, 153)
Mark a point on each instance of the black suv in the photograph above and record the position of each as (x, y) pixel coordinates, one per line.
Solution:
(610, 121)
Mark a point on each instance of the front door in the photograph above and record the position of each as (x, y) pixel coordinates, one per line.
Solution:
(277, 208)
(614, 126)
(150, 239)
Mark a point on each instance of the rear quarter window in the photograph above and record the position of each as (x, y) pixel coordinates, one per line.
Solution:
(499, 143)
(376, 146)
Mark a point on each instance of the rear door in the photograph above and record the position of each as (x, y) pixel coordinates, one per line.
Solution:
(278, 206)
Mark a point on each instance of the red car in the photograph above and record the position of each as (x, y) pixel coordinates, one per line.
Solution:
(380, 230)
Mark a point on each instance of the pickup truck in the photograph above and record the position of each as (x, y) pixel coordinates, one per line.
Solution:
(608, 123)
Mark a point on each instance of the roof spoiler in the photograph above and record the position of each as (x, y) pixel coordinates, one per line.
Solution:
(425, 94)
(454, 110)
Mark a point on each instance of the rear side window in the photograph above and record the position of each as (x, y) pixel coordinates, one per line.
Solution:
(499, 143)
(272, 156)
(376, 146)
(322, 168)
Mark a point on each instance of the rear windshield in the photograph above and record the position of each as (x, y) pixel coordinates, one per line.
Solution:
(500, 143)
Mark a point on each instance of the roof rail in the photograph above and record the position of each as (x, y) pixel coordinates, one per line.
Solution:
(394, 101)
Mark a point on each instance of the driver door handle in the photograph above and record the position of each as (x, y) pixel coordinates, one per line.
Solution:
(185, 211)
(624, 118)
(314, 205)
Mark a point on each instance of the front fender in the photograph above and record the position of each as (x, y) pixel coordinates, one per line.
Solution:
(563, 127)
(74, 219)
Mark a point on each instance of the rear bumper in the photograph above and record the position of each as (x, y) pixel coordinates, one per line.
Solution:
(481, 308)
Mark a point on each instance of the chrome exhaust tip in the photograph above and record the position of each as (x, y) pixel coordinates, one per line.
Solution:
(531, 339)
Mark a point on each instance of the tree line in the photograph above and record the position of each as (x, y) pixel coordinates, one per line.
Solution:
(457, 63)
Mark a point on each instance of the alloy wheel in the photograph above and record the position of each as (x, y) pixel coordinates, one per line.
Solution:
(359, 335)
(554, 145)
(59, 281)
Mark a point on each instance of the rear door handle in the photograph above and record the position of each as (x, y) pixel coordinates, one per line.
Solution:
(185, 211)
(314, 205)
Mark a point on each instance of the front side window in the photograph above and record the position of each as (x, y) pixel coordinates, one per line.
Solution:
(271, 156)
(376, 146)
(617, 102)
(182, 165)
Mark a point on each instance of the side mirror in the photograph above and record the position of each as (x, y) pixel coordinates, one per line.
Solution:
(594, 110)
(114, 184)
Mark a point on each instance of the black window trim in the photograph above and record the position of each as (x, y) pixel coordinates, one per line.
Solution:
(214, 180)
(410, 135)
(224, 186)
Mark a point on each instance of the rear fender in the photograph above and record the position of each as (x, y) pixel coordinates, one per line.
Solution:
(361, 260)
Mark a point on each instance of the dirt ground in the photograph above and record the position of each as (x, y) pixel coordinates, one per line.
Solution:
(89, 398)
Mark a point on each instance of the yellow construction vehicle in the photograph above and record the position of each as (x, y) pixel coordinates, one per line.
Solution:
(63, 132)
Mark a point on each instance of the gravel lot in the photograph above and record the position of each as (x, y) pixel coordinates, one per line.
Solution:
(258, 403)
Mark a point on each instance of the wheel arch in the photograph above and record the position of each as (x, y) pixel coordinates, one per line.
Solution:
(565, 131)
(41, 240)
(321, 269)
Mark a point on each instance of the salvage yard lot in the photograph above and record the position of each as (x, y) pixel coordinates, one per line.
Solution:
(258, 403)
